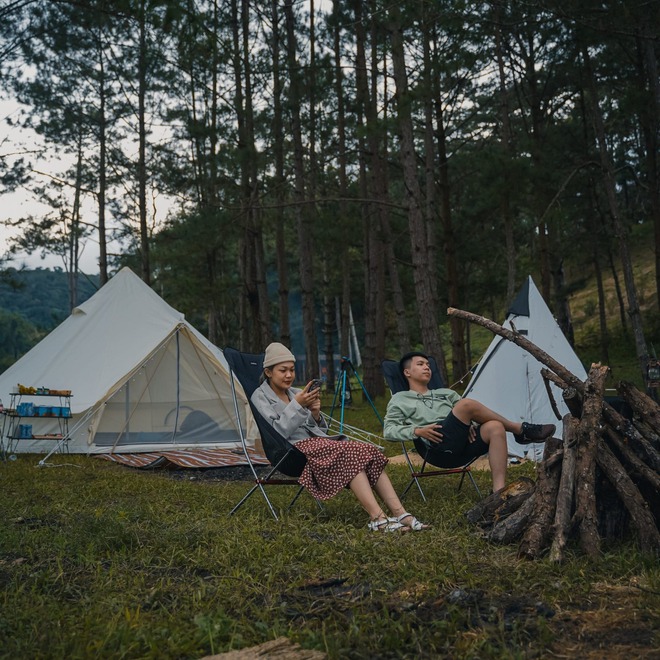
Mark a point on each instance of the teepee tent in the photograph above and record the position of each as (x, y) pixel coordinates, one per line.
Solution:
(142, 378)
(508, 379)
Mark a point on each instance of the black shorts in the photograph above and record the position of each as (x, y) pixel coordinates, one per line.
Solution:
(455, 450)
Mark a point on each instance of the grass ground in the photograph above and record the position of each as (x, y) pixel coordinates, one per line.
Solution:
(99, 560)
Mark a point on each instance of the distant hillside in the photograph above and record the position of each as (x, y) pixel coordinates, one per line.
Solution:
(41, 296)
(32, 303)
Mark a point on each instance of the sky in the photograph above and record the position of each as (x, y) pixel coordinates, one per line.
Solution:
(21, 203)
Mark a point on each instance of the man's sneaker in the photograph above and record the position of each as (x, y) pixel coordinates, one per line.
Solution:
(534, 433)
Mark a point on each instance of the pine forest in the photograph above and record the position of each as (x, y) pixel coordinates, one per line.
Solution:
(372, 161)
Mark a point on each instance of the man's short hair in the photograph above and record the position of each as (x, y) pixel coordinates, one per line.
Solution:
(404, 362)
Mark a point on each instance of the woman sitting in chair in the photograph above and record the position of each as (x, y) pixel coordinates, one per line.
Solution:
(333, 462)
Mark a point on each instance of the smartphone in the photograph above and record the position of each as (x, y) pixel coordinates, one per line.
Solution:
(316, 384)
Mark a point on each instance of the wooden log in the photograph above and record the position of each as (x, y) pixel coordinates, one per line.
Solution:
(641, 403)
(649, 433)
(636, 440)
(641, 517)
(564, 509)
(524, 343)
(573, 402)
(538, 530)
(554, 459)
(572, 398)
(511, 528)
(633, 463)
(500, 504)
(586, 516)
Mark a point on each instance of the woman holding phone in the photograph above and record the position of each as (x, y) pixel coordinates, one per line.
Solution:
(333, 461)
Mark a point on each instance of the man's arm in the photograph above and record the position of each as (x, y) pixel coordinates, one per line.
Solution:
(397, 426)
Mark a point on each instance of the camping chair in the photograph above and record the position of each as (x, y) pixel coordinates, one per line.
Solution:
(397, 383)
(281, 454)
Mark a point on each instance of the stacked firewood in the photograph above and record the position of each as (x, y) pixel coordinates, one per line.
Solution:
(603, 476)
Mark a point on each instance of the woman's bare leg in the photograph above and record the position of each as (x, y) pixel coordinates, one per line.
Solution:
(362, 489)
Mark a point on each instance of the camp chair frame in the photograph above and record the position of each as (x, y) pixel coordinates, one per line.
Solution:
(281, 454)
(396, 383)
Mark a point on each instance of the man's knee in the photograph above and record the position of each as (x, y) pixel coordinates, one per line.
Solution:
(463, 410)
(493, 431)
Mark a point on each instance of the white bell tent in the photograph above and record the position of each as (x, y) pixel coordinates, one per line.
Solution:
(508, 379)
(142, 378)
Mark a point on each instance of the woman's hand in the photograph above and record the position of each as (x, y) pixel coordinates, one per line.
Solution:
(310, 400)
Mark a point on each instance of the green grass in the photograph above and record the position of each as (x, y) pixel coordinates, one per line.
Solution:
(98, 560)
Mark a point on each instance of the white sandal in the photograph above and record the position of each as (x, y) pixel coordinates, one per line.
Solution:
(415, 525)
(385, 525)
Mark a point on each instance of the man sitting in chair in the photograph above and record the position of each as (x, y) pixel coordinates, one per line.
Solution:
(455, 430)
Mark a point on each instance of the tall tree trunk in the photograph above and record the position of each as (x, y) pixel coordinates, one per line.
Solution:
(367, 82)
(279, 181)
(345, 258)
(102, 123)
(258, 289)
(452, 276)
(305, 244)
(649, 119)
(142, 140)
(426, 304)
(619, 230)
(507, 145)
(74, 230)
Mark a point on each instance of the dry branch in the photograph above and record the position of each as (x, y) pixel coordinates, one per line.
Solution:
(524, 343)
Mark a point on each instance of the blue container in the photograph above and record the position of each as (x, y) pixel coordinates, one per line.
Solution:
(25, 430)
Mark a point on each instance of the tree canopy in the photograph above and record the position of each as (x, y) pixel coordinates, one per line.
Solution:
(382, 161)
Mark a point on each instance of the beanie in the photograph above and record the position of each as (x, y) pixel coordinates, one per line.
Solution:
(276, 353)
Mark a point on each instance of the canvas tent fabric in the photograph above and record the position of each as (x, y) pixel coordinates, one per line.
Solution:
(508, 379)
(142, 378)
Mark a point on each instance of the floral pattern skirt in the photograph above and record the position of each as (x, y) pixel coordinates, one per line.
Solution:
(332, 464)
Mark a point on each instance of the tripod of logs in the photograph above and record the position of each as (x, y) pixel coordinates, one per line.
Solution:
(603, 476)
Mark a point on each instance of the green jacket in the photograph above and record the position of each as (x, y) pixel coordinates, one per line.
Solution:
(409, 410)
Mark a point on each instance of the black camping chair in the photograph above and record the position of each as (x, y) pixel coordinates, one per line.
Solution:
(397, 382)
(281, 454)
